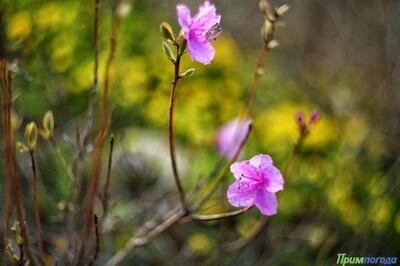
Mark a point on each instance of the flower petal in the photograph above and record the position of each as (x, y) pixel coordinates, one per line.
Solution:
(206, 17)
(266, 202)
(238, 197)
(275, 179)
(202, 52)
(184, 18)
(260, 161)
(244, 172)
(231, 135)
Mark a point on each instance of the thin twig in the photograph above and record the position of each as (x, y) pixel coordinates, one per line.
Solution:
(213, 217)
(95, 82)
(175, 171)
(21, 254)
(82, 144)
(260, 65)
(98, 151)
(105, 195)
(39, 231)
(141, 241)
(96, 231)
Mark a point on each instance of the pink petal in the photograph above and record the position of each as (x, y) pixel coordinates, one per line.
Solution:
(206, 17)
(245, 172)
(266, 202)
(261, 161)
(183, 17)
(231, 135)
(275, 179)
(239, 197)
(202, 52)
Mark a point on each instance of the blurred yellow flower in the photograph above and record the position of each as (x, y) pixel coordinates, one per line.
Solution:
(62, 51)
(82, 76)
(200, 243)
(20, 26)
(53, 13)
(133, 76)
(397, 222)
(380, 212)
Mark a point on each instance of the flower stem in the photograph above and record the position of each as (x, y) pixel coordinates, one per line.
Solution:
(219, 216)
(39, 232)
(13, 192)
(178, 181)
(260, 65)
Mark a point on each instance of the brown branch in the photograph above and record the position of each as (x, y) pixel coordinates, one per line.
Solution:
(105, 195)
(142, 241)
(178, 180)
(13, 194)
(95, 84)
(96, 231)
(39, 231)
(98, 151)
(82, 144)
(260, 65)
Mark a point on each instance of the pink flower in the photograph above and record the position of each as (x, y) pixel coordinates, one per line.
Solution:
(200, 30)
(257, 181)
(231, 135)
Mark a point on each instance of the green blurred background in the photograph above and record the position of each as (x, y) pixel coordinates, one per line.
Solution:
(341, 57)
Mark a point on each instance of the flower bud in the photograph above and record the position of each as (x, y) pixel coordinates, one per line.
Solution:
(31, 133)
(168, 52)
(21, 147)
(182, 43)
(187, 73)
(282, 10)
(48, 124)
(315, 116)
(300, 118)
(273, 44)
(265, 7)
(167, 32)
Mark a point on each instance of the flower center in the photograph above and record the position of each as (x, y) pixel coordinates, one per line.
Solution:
(213, 32)
(247, 184)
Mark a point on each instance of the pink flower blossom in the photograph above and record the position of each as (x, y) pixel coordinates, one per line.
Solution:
(231, 135)
(200, 30)
(257, 181)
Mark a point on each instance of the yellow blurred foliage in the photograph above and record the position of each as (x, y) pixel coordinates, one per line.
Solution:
(397, 222)
(132, 74)
(62, 51)
(20, 26)
(53, 13)
(277, 127)
(379, 213)
(200, 243)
